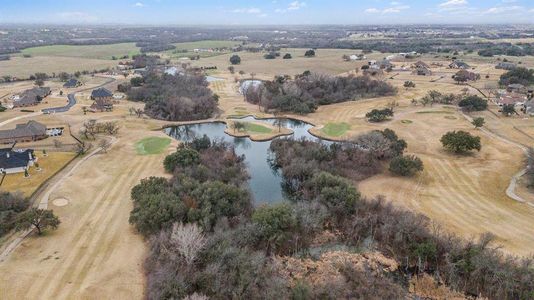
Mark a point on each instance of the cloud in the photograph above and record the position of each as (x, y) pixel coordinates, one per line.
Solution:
(252, 10)
(503, 9)
(396, 8)
(372, 10)
(76, 16)
(453, 3)
(295, 5)
(138, 4)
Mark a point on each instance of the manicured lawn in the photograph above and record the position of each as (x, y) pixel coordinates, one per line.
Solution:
(256, 128)
(152, 145)
(335, 129)
(89, 51)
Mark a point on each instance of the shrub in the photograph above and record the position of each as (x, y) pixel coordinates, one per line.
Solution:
(460, 141)
(235, 59)
(287, 56)
(310, 53)
(183, 157)
(405, 165)
(379, 115)
(473, 103)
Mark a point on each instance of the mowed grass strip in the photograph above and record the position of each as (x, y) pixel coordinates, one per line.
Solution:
(335, 129)
(152, 145)
(435, 112)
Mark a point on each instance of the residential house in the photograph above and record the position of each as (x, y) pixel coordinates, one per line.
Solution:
(31, 131)
(16, 161)
(528, 107)
(102, 100)
(101, 93)
(31, 97)
(420, 64)
(516, 87)
(72, 83)
(505, 66)
(354, 57)
(470, 76)
(459, 65)
(512, 98)
(422, 71)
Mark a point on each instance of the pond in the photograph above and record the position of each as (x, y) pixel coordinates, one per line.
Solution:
(265, 183)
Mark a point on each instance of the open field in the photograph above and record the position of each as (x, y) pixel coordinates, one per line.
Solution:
(95, 252)
(49, 165)
(24, 67)
(205, 44)
(89, 51)
(326, 61)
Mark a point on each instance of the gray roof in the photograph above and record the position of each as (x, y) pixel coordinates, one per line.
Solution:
(30, 129)
(15, 159)
(38, 91)
(101, 93)
(71, 83)
(26, 100)
(460, 64)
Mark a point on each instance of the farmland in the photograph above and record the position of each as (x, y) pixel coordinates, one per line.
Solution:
(92, 51)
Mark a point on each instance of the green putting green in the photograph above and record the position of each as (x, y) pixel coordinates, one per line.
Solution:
(256, 128)
(152, 145)
(335, 129)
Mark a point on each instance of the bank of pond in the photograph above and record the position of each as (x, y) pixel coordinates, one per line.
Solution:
(265, 182)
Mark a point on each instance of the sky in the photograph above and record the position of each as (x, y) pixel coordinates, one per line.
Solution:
(266, 12)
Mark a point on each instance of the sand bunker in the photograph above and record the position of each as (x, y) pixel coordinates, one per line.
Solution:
(60, 202)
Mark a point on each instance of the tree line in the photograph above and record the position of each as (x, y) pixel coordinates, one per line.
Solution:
(307, 91)
(180, 97)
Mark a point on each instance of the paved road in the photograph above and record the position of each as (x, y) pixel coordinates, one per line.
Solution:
(72, 99)
(71, 103)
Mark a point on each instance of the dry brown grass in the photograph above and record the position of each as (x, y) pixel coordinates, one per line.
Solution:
(23, 67)
(49, 164)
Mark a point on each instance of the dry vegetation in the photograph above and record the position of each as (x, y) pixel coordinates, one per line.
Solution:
(96, 253)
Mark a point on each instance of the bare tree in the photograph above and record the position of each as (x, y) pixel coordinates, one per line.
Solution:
(111, 128)
(104, 144)
(82, 148)
(188, 240)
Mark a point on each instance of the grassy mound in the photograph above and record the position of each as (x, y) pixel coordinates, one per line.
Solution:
(335, 129)
(152, 145)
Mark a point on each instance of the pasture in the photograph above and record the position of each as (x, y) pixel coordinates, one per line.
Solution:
(89, 51)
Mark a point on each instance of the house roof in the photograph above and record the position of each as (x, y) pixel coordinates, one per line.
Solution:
(26, 100)
(15, 159)
(420, 64)
(517, 86)
(101, 93)
(460, 64)
(37, 91)
(512, 98)
(71, 83)
(30, 129)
